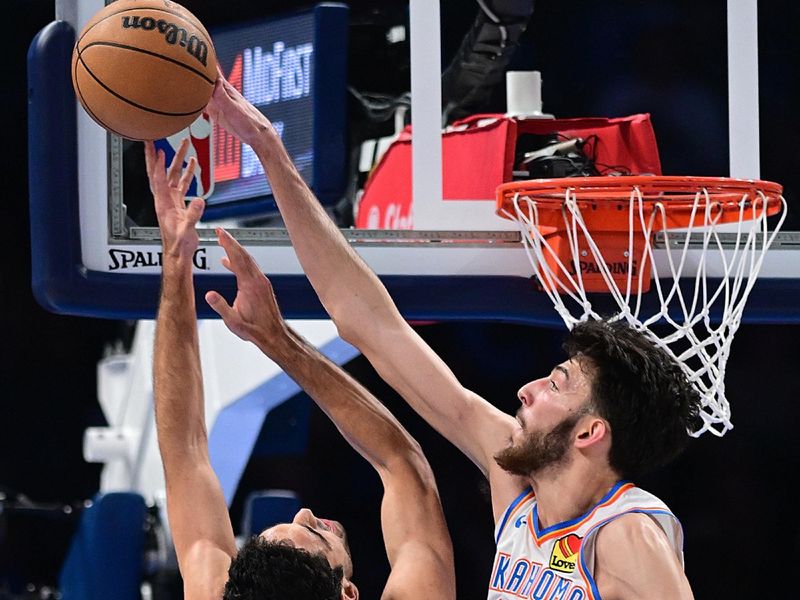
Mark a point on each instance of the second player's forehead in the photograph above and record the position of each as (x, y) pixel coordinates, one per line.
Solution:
(295, 535)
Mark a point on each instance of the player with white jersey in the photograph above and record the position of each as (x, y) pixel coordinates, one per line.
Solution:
(618, 407)
(556, 562)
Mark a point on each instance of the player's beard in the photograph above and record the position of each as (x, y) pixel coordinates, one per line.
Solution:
(538, 450)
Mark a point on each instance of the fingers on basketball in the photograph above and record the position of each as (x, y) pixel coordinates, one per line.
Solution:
(154, 159)
(216, 97)
(149, 155)
(150, 160)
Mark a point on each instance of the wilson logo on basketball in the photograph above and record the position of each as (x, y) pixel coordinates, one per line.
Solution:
(172, 35)
(565, 554)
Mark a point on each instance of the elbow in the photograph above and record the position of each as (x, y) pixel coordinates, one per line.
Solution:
(423, 469)
(412, 460)
(368, 329)
(348, 331)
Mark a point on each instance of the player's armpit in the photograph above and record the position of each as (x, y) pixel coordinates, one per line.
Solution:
(415, 533)
(205, 572)
(420, 572)
(634, 560)
(198, 517)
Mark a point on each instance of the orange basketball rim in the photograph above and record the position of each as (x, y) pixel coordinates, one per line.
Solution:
(580, 219)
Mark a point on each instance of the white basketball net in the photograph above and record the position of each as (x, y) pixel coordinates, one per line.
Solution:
(699, 347)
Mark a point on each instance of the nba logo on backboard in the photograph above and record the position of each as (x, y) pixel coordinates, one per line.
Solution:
(200, 146)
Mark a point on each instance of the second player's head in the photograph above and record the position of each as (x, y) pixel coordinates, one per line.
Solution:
(306, 559)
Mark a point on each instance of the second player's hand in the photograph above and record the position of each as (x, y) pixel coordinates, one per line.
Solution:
(254, 315)
(176, 221)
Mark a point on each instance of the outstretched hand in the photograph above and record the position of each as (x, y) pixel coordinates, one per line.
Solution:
(176, 221)
(254, 315)
(237, 115)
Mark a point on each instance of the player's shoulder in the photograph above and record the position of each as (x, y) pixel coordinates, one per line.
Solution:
(634, 558)
(633, 495)
(625, 498)
(632, 525)
(632, 534)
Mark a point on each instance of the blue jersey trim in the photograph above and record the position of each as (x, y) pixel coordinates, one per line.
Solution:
(509, 510)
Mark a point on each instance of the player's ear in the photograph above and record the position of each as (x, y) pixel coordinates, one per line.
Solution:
(590, 430)
(349, 590)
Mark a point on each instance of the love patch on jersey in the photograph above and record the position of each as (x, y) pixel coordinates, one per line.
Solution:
(564, 556)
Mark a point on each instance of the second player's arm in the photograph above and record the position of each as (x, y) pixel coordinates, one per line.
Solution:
(414, 529)
(198, 515)
(415, 533)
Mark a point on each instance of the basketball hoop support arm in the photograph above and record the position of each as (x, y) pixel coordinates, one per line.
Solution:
(743, 124)
(426, 109)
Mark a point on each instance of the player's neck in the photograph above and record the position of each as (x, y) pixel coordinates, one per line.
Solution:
(568, 493)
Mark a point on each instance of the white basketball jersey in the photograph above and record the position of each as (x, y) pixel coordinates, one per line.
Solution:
(556, 563)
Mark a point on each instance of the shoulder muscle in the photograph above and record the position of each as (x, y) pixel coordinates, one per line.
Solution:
(634, 559)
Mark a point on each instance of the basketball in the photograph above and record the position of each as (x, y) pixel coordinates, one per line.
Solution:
(144, 69)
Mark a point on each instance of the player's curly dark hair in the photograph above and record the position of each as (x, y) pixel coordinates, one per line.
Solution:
(640, 390)
(265, 570)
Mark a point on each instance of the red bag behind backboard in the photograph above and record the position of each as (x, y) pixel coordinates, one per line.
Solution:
(478, 155)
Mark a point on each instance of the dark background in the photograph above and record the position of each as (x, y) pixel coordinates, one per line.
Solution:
(733, 495)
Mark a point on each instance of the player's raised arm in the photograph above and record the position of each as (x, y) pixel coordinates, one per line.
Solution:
(358, 302)
(198, 514)
(415, 534)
